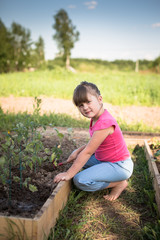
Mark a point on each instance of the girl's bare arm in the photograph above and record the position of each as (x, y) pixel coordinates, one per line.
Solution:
(97, 138)
(75, 153)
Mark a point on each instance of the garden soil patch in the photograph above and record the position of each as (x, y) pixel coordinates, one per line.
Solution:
(25, 203)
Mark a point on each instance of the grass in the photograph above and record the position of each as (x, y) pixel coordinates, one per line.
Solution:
(132, 216)
(118, 88)
(8, 121)
(88, 216)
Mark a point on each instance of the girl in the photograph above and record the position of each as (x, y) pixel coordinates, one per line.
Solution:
(105, 158)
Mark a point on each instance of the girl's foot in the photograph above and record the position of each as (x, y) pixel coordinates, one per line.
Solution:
(116, 191)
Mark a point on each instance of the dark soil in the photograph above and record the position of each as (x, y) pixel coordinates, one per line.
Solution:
(25, 203)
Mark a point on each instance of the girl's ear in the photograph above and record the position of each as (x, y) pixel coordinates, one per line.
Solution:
(100, 98)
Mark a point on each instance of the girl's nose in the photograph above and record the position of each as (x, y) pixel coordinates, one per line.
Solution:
(85, 106)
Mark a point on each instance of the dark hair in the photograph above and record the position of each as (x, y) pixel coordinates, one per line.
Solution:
(80, 92)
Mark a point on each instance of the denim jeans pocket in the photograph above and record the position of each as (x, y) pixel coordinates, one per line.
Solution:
(126, 164)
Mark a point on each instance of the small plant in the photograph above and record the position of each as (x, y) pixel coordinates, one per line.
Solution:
(20, 149)
(57, 151)
(154, 144)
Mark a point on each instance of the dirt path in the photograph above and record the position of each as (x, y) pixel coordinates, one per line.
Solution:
(131, 114)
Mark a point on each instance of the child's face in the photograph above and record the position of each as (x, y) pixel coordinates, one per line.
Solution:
(91, 108)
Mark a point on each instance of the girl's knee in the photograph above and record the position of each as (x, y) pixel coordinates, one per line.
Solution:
(78, 181)
(81, 183)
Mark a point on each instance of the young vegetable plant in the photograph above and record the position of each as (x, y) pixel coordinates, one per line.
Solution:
(20, 149)
(56, 151)
(6, 166)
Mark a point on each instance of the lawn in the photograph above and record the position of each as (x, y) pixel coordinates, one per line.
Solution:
(118, 88)
(132, 216)
(88, 216)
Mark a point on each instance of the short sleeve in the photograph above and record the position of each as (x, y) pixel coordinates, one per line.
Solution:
(103, 124)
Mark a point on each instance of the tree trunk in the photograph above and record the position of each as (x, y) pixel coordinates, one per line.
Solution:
(67, 61)
(137, 66)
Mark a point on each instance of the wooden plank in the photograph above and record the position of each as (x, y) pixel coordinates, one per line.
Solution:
(154, 172)
(51, 209)
(37, 228)
(21, 226)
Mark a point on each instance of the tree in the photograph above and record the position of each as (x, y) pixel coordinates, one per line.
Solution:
(6, 49)
(156, 64)
(40, 48)
(66, 34)
(21, 40)
(17, 50)
(38, 56)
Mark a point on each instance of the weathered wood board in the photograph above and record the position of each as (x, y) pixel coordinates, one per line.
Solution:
(38, 227)
(154, 172)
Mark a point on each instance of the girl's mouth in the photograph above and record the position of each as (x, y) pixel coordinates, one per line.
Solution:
(88, 112)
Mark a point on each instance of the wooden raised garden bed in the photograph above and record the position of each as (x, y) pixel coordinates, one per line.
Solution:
(29, 199)
(38, 227)
(153, 167)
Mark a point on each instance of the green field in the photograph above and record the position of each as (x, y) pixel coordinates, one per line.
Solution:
(118, 88)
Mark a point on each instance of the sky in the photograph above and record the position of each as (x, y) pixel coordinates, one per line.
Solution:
(109, 29)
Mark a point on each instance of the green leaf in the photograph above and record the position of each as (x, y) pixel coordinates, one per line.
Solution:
(2, 160)
(157, 153)
(53, 156)
(33, 188)
(8, 143)
(34, 158)
(60, 135)
(47, 151)
(25, 183)
(30, 164)
(3, 179)
(39, 159)
(16, 179)
(55, 163)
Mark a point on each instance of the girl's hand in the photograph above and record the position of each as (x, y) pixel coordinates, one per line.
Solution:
(73, 156)
(61, 177)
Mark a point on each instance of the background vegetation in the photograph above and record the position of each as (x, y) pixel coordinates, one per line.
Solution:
(25, 72)
(120, 84)
(18, 52)
(118, 88)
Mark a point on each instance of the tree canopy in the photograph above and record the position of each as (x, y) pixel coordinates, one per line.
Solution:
(17, 50)
(66, 34)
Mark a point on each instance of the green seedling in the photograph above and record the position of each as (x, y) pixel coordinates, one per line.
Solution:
(157, 153)
(20, 149)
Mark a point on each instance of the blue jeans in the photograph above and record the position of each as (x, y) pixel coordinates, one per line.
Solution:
(97, 175)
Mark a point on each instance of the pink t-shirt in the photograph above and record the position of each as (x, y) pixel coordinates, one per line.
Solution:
(113, 148)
